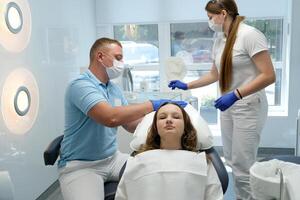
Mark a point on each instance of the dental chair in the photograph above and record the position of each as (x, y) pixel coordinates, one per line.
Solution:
(52, 152)
(170, 169)
(205, 144)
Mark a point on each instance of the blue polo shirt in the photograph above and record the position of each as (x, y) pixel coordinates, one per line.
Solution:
(84, 139)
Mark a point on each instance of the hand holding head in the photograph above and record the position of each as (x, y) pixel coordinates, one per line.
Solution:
(158, 103)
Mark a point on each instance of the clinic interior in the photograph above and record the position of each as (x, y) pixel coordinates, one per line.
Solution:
(49, 45)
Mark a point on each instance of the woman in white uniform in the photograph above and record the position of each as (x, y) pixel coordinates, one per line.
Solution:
(168, 166)
(242, 64)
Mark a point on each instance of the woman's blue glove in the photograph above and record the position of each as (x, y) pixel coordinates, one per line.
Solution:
(157, 103)
(177, 84)
(225, 101)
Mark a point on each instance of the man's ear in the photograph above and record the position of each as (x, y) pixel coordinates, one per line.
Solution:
(99, 56)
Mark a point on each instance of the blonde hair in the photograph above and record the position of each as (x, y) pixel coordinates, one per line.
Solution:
(216, 7)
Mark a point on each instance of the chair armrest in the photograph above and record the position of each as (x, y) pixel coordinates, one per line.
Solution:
(52, 151)
(219, 167)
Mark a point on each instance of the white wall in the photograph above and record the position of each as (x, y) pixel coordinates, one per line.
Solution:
(53, 65)
(280, 130)
(128, 11)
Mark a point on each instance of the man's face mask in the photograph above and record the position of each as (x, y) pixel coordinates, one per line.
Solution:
(116, 70)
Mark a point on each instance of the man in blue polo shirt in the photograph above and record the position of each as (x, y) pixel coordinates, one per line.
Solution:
(94, 108)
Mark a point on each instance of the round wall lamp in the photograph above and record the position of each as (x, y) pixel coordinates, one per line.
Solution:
(15, 25)
(20, 101)
(13, 17)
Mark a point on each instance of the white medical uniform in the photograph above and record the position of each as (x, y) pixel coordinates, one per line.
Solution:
(242, 123)
(169, 175)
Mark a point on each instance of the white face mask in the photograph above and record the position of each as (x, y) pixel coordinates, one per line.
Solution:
(116, 70)
(215, 27)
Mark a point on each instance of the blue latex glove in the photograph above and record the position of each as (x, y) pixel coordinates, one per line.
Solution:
(225, 101)
(157, 103)
(182, 104)
(177, 84)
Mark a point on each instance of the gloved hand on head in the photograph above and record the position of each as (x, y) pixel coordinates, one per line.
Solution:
(157, 103)
(225, 101)
(177, 84)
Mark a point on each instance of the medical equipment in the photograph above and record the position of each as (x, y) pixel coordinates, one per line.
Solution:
(127, 81)
(279, 171)
(175, 68)
(275, 177)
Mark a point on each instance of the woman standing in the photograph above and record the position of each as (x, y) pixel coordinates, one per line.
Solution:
(242, 64)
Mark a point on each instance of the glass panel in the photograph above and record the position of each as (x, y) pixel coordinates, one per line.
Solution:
(273, 30)
(145, 81)
(273, 91)
(206, 96)
(140, 43)
(192, 41)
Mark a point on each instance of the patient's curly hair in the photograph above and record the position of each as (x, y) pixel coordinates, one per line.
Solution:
(188, 139)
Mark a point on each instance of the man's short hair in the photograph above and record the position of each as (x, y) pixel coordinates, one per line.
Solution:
(102, 42)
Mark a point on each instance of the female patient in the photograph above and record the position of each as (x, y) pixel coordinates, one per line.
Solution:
(172, 169)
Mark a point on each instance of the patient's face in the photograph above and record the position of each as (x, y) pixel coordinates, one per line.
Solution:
(170, 123)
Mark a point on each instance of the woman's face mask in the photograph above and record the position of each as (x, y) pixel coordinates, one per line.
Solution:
(216, 22)
(116, 70)
(215, 27)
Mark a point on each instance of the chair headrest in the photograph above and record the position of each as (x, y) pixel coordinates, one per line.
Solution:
(204, 136)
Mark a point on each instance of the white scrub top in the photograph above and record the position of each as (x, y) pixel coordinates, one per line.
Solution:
(169, 175)
(249, 41)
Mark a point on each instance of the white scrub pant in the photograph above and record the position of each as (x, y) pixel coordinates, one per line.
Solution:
(82, 180)
(241, 126)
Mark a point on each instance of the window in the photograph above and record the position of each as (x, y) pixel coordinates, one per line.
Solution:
(273, 30)
(140, 43)
(141, 52)
(192, 42)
